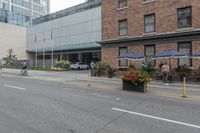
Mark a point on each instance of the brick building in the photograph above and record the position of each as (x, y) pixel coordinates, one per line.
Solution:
(149, 27)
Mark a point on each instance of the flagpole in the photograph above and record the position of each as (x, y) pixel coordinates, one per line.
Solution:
(52, 65)
(43, 57)
(36, 56)
(35, 51)
(43, 53)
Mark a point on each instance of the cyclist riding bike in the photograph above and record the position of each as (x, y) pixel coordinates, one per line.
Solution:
(24, 69)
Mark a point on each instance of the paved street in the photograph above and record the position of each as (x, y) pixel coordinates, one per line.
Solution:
(39, 106)
(80, 78)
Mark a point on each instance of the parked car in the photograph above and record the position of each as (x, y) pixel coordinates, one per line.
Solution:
(79, 66)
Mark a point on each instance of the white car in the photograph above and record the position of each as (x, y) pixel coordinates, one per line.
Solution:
(79, 66)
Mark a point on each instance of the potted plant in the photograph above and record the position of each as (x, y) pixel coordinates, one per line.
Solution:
(135, 80)
(183, 71)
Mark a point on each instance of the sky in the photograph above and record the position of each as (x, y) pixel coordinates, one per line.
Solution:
(57, 5)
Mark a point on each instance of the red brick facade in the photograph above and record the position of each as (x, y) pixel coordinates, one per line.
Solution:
(165, 23)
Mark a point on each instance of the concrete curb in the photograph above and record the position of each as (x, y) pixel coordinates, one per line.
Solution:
(176, 96)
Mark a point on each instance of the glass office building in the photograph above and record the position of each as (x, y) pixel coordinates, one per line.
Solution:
(70, 34)
(20, 12)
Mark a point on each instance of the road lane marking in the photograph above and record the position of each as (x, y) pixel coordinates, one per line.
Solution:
(15, 87)
(158, 118)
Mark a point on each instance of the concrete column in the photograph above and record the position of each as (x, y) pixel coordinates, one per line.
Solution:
(48, 6)
(67, 56)
(9, 5)
(61, 56)
(31, 11)
(80, 57)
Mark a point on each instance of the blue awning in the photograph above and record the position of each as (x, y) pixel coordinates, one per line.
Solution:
(170, 54)
(132, 56)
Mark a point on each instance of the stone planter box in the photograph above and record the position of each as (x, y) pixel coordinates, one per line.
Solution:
(129, 86)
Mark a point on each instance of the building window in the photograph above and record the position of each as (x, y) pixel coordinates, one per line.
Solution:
(184, 17)
(122, 52)
(149, 51)
(186, 48)
(123, 27)
(149, 23)
(4, 6)
(122, 3)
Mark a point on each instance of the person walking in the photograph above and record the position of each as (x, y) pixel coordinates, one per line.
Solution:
(165, 72)
(92, 68)
(144, 66)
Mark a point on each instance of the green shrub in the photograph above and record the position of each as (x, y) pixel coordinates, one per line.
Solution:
(40, 68)
(10, 58)
(183, 71)
(11, 67)
(102, 65)
(111, 72)
(103, 69)
(132, 67)
(63, 64)
(150, 68)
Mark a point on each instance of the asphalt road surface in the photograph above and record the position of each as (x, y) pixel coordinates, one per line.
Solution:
(35, 106)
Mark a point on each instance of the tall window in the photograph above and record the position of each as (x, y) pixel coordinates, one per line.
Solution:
(123, 27)
(122, 52)
(149, 23)
(184, 17)
(186, 48)
(122, 3)
(149, 52)
(4, 6)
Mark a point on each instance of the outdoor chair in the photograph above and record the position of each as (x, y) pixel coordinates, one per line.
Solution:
(157, 74)
(173, 76)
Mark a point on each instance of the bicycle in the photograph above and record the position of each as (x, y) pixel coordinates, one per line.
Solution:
(24, 72)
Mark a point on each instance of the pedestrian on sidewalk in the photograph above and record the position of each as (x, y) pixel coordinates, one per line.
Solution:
(144, 66)
(165, 72)
(92, 65)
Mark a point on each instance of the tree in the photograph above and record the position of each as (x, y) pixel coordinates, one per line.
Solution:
(10, 58)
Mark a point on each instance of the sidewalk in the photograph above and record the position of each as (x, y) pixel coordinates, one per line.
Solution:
(49, 75)
(81, 79)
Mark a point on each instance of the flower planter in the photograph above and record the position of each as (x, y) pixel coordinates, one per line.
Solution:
(129, 86)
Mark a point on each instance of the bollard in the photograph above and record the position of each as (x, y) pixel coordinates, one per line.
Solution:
(184, 88)
(89, 79)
